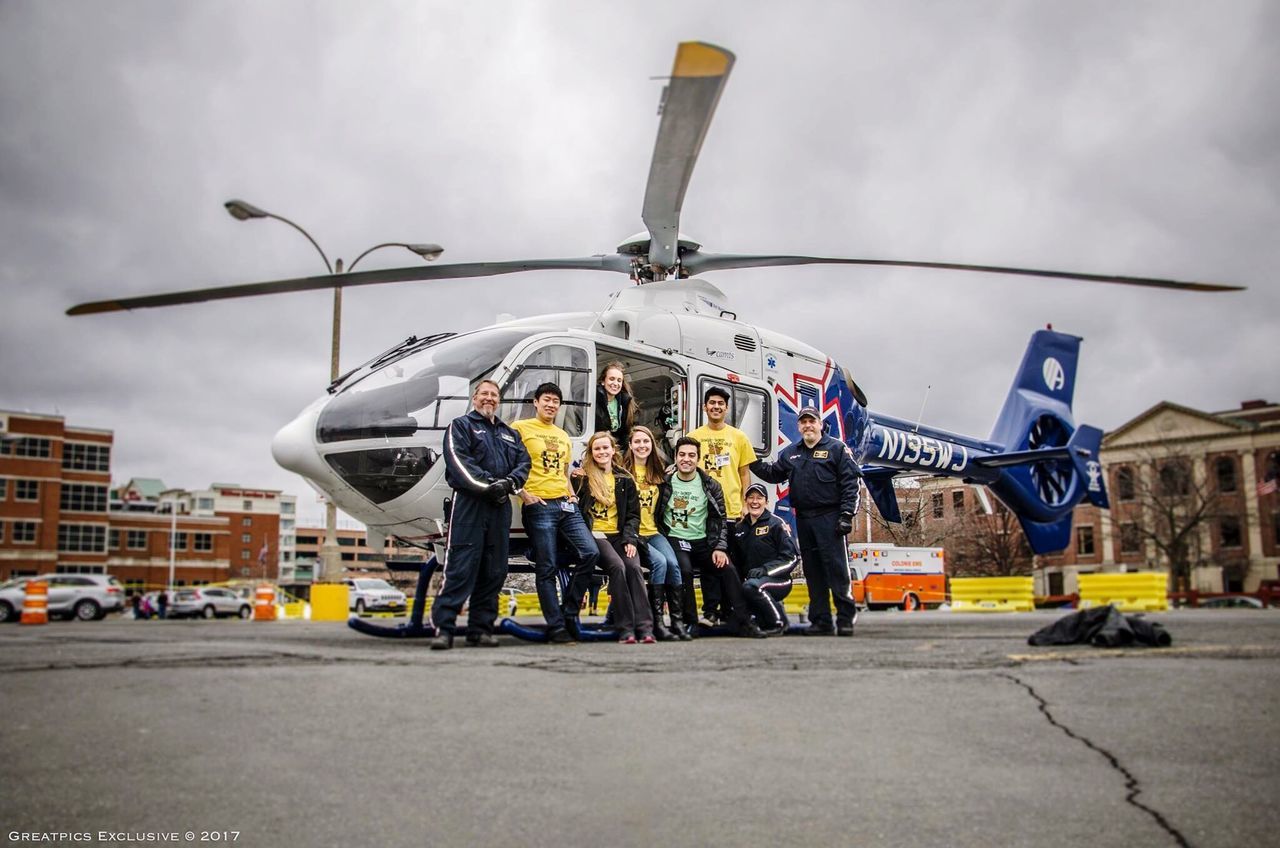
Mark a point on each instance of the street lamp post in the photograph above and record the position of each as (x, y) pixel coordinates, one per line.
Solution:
(330, 555)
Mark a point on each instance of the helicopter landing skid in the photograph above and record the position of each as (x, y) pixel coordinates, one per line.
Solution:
(416, 628)
(538, 632)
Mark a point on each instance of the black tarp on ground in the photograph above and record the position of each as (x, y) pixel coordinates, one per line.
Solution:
(1104, 627)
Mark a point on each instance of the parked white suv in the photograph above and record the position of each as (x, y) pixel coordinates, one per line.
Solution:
(372, 594)
(85, 597)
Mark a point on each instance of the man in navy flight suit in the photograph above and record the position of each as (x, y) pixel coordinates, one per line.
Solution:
(485, 463)
(824, 494)
(762, 548)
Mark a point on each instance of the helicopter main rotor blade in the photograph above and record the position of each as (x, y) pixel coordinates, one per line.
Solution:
(697, 263)
(697, 79)
(609, 262)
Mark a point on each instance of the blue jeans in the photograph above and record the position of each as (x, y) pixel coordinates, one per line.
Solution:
(546, 524)
(664, 568)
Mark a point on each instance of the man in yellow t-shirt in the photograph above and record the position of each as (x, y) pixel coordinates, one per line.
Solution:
(726, 455)
(726, 451)
(549, 513)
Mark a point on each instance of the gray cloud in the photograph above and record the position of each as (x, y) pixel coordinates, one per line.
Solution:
(1135, 138)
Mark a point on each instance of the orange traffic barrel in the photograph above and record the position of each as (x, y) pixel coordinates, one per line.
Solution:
(264, 603)
(35, 606)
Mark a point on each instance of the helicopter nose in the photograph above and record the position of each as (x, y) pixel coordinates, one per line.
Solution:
(294, 447)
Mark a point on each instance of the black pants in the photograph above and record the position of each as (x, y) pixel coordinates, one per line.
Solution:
(764, 598)
(728, 584)
(476, 566)
(824, 557)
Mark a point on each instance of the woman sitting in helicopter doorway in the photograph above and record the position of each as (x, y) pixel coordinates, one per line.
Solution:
(610, 505)
(648, 466)
(615, 404)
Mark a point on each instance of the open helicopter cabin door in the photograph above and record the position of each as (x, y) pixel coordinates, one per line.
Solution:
(658, 389)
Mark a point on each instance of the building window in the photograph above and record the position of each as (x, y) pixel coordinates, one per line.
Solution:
(23, 533)
(1, 531)
(245, 553)
(203, 542)
(937, 504)
(76, 569)
(1124, 484)
(204, 504)
(31, 447)
(286, 541)
(1175, 479)
(246, 522)
(79, 497)
(346, 541)
(248, 506)
(286, 524)
(957, 501)
(246, 538)
(82, 538)
(136, 540)
(86, 457)
(179, 541)
(286, 508)
(1226, 468)
(1229, 531)
(4, 489)
(114, 540)
(1084, 541)
(26, 490)
(286, 556)
(348, 557)
(1130, 538)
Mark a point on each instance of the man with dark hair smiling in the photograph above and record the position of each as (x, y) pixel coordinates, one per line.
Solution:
(549, 514)
(690, 512)
(485, 463)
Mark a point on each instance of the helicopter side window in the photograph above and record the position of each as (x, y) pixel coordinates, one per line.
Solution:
(748, 411)
(562, 364)
(655, 389)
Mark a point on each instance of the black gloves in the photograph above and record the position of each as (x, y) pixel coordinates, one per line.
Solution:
(755, 573)
(846, 524)
(499, 490)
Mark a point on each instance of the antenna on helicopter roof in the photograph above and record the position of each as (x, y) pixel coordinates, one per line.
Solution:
(920, 417)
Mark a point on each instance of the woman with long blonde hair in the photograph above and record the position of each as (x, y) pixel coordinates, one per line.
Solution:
(610, 505)
(647, 465)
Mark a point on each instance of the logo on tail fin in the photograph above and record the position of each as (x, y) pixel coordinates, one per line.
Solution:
(1055, 376)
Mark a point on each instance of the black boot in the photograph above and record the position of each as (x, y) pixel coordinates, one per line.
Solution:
(674, 606)
(657, 597)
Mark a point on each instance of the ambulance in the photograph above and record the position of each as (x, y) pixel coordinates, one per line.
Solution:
(887, 576)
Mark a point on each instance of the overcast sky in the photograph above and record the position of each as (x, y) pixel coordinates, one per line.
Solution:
(1131, 138)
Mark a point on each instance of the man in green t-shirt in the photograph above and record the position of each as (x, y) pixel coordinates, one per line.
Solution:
(690, 512)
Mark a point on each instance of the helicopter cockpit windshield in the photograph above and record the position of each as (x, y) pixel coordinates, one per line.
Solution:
(422, 391)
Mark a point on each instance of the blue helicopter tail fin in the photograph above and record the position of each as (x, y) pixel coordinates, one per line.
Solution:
(1045, 383)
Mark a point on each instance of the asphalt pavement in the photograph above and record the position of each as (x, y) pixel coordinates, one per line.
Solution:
(925, 729)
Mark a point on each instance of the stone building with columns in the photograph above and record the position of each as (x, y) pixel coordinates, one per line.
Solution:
(1182, 460)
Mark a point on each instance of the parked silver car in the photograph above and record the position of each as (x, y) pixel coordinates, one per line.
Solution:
(85, 597)
(373, 594)
(208, 602)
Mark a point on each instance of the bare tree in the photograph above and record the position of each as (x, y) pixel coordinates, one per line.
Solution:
(919, 527)
(1163, 501)
(983, 544)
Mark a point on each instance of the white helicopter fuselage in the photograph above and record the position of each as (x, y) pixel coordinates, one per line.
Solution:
(373, 445)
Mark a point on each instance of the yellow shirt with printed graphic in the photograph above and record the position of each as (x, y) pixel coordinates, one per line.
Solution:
(648, 500)
(551, 453)
(724, 452)
(604, 517)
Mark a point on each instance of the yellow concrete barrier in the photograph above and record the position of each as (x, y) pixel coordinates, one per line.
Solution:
(329, 602)
(797, 601)
(1137, 591)
(992, 594)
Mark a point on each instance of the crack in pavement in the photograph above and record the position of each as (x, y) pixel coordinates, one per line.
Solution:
(219, 661)
(1131, 783)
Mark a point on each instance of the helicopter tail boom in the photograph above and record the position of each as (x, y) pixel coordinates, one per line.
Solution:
(1037, 461)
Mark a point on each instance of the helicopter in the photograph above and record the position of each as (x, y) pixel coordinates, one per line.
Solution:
(372, 443)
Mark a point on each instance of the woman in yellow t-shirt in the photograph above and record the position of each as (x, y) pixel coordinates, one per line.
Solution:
(648, 466)
(610, 506)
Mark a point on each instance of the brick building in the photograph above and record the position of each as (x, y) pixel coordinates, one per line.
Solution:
(54, 484)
